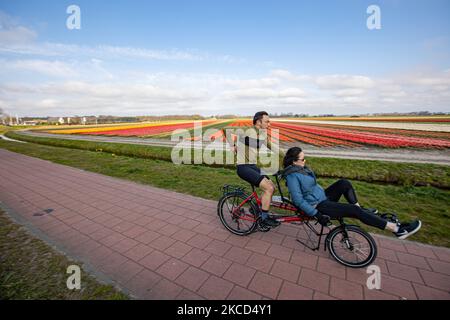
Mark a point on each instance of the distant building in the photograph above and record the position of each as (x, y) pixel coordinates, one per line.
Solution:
(30, 123)
(52, 120)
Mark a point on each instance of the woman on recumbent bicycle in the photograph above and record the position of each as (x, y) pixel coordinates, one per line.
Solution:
(311, 198)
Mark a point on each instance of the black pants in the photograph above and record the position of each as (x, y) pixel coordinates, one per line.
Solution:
(250, 173)
(335, 210)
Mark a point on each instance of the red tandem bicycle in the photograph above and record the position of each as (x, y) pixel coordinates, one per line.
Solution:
(240, 211)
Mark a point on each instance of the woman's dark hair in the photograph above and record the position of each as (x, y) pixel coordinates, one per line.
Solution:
(258, 116)
(291, 156)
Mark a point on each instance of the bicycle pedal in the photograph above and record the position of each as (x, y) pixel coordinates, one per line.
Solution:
(263, 227)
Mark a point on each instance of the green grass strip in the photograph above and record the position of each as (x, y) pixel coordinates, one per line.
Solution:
(405, 174)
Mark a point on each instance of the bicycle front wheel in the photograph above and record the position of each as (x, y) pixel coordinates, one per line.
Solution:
(238, 217)
(352, 246)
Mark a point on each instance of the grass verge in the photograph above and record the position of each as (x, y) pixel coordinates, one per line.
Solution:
(31, 269)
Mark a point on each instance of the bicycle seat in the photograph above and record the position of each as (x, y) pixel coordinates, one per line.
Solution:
(324, 220)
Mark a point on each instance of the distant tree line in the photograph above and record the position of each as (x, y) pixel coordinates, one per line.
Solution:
(104, 119)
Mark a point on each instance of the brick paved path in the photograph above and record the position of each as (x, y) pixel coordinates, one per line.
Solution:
(158, 244)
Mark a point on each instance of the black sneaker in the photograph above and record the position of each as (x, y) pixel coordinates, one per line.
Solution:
(270, 222)
(406, 230)
(370, 210)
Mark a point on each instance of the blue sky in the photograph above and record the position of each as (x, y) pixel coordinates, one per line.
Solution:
(217, 57)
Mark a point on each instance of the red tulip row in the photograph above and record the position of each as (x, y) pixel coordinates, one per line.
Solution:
(288, 135)
(401, 132)
(150, 130)
(349, 137)
(241, 123)
(314, 139)
(433, 120)
(370, 138)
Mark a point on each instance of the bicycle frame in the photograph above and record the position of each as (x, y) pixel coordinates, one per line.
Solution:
(298, 218)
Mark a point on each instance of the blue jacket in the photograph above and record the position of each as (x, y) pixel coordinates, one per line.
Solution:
(303, 188)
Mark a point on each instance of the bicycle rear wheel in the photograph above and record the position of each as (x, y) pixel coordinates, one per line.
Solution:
(352, 246)
(238, 218)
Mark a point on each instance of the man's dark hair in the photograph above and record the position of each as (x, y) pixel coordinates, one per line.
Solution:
(258, 116)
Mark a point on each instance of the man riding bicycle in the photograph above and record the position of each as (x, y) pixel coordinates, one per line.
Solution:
(246, 164)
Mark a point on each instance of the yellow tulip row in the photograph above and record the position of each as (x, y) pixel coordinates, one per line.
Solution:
(124, 127)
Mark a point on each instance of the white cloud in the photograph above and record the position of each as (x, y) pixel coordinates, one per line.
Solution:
(112, 92)
(289, 76)
(16, 35)
(263, 93)
(291, 92)
(48, 103)
(349, 92)
(13, 33)
(336, 81)
(249, 94)
(49, 68)
(266, 82)
(50, 49)
(164, 93)
(97, 65)
(20, 40)
(114, 51)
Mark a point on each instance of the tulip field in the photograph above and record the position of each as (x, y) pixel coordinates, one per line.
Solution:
(425, 119)
(337, 136)
(290, 132)
(155, 129)
(349, 136)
